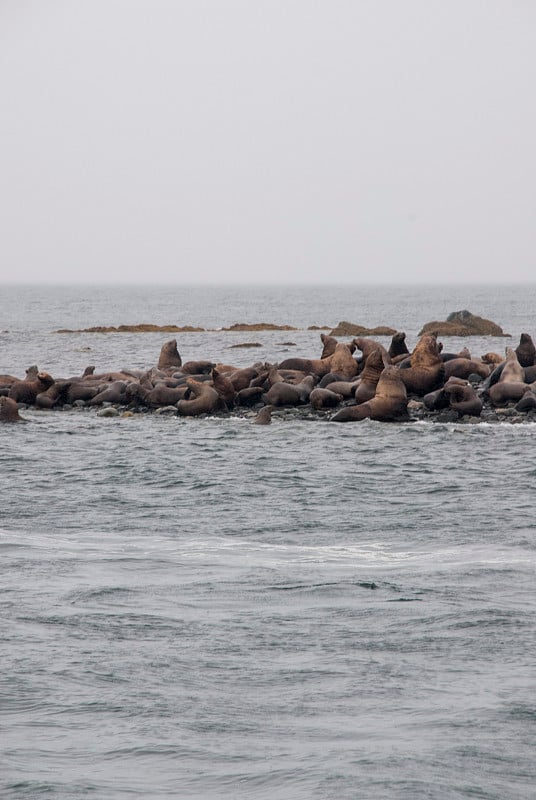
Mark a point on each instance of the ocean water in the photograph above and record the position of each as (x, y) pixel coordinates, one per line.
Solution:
(205, 608)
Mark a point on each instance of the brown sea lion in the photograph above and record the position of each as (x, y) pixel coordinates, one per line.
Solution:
(169, 355)
(342, 362)
(204, 400)
(463, 398)
(505, 392)
(224, 387)
(264, 417)
(492, 359)
(512, 371)
(324, 398)
(311, 366)
(367, 346)
(113, 392)
(525, 351)
(55, 395)
(198, 367)
(427, 369)
(463, 367)
(329, 345)
(390, 403)
(241, 378)
(368, 380)
(26, 391)
(9, 411)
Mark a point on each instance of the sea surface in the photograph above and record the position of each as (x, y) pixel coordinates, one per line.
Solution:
(205, 608)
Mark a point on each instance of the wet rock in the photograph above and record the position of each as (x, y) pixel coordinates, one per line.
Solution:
(345, 328)
(463, 323)
(109, 411)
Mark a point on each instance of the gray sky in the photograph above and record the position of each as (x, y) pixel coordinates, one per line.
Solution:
(267, 141)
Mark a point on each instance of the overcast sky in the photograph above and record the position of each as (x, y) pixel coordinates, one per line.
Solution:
(267, 141)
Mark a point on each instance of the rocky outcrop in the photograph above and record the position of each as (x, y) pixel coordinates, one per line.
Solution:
(259, 326)
(345, 328)
(463, 323)
(141, 328)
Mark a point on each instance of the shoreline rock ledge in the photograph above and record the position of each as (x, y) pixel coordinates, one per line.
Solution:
(463, 323)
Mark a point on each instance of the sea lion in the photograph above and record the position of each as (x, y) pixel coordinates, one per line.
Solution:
(224, 387)
(506, 392)
(289, 394)
(398, 345)
(204, 400)
(169, 355)
(249, 396)
(492, 359)
(329, 345)
(463, 366)
(26, 391)
(113, 392)
(525, 351)
(311, 366)
(527, 402)
(241, 378)
(512, 371)
(367, 346)
(9, 411)
(389, 404)
(324, 398)
(463, 398)
(264, 417)
(368, 380)
(55, 395)
(427, 370)
(342, 362)
(198, 367)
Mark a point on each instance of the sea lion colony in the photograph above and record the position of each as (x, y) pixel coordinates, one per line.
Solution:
(348, 382)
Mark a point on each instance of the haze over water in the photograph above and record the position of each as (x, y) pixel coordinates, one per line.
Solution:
(206, 608)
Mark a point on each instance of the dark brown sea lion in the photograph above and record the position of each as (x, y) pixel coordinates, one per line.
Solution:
(264, 417)
(289, 394)
(390, 403)
(26, 391)
(398, 345)
(324, 398)
(9, 411)
(205, 400)
(463, 398)
(249, 396)
(55, 395)
(169, 355)
(368, 380)
(81, 390)
(527, 402)
(427, 369)
(525, 351)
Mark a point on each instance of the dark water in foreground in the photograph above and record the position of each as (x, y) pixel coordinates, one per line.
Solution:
(210, 609)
